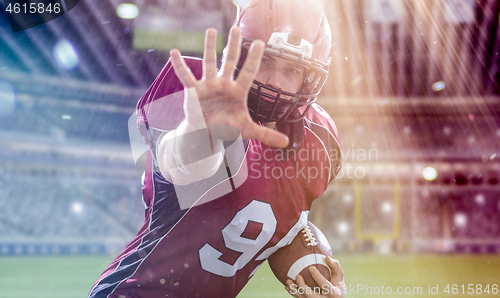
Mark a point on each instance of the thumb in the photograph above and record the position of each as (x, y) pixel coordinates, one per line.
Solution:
(337, 276)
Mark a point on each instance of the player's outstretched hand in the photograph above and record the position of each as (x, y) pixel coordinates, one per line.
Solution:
(333, 288)
(223, 99)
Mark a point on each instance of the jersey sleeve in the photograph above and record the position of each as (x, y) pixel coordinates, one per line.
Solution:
(324, 127)
(161, 107)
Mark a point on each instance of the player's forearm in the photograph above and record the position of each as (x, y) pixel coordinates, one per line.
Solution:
(186, 154)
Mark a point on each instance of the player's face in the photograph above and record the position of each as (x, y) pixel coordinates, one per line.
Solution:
(281, 74)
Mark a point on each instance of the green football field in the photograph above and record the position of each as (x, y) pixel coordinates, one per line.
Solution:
(72, 277)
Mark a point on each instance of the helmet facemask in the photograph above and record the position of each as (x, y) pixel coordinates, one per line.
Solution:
(294, 30)
(268, 104)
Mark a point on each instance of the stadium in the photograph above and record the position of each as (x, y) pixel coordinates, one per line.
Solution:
(413, 89)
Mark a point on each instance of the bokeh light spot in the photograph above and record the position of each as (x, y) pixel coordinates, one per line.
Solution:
(65, 55)
(240, 3)
(77, 208)
(343, 228)
(480, 199)
(125, 205)
(460, 220)
(386, 207)
(347, 198)
(7, 99)
(429, 173)
(438, 86)
(127, 11)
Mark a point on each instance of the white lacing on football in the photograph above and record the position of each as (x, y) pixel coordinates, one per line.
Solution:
(311, 241)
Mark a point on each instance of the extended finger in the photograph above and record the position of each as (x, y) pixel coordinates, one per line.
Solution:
(252, 64)
(181, 69)
(266, 135)
(232, 53)
(210, 54)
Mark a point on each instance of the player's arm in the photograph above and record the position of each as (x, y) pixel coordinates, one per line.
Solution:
(186, 154)
(333, 288)
(193, 150)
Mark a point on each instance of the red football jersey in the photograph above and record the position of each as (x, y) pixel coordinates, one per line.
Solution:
(214, 246)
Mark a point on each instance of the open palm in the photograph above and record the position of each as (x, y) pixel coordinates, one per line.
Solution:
(223, 99)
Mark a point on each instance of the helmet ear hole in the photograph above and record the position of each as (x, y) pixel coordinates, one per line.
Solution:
(315, 83)
(311, 76)
(311, 82)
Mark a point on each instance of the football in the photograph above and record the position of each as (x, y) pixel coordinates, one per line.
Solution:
(309, 248)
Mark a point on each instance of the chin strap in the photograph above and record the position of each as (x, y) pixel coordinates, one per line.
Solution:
(295, 133)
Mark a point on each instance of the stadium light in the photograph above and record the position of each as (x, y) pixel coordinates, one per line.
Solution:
(429, 173)
(127, 11)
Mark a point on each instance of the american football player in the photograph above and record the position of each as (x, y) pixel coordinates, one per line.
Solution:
(237, 156)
